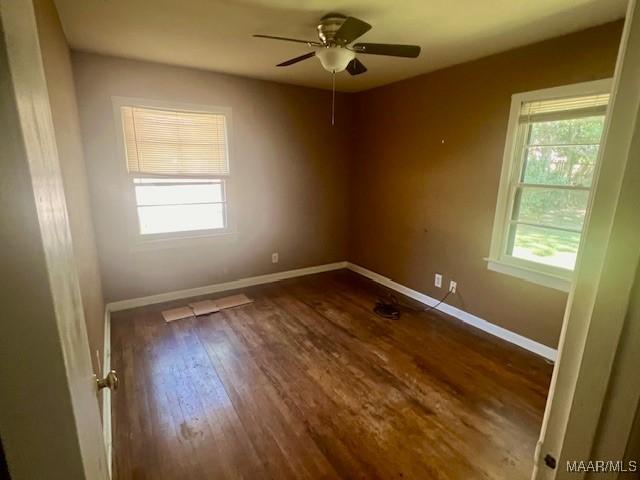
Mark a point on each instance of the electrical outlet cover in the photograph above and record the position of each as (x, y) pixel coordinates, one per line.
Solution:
(438, 280)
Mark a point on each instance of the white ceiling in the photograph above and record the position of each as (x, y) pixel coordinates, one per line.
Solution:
(216, 34)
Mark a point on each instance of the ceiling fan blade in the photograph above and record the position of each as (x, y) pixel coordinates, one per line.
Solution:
(409, 51)
(308, 42)
(296, 60)
(356, 67)
(351, 29)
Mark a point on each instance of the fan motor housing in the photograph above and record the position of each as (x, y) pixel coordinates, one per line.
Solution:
(328, 26)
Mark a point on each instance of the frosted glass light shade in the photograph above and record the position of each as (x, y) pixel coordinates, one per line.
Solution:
(335, 59)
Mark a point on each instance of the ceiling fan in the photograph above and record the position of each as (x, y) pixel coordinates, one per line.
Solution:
(335, 48)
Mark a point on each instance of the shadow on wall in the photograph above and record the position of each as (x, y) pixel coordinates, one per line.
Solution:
(4, 470)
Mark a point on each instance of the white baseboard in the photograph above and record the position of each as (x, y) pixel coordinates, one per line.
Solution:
(477, 322)
(524, 342)
(106, 392)
(222, 287)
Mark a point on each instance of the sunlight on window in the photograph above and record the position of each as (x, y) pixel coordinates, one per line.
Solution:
(180, 218)
(179, 205)
(558, 249)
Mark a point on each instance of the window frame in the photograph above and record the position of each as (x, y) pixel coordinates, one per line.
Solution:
(512, 165)
(186, 237)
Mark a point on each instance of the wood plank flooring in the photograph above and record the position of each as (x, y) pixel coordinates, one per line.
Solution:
(307, 383)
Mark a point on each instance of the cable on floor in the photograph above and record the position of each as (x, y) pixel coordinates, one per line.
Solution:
(438, 304)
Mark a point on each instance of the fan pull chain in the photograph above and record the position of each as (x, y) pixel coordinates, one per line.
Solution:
(333, 99)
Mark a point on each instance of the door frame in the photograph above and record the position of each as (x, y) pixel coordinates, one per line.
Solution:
(49, 414)
(590, 342)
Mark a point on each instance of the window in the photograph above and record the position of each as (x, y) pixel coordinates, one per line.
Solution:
(179, 204)
(178, 165)
(549, 172)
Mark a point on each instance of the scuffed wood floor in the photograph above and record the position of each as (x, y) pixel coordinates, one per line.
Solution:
(307, 383)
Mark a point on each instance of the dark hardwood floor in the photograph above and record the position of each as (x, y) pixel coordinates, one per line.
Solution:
(307, 383)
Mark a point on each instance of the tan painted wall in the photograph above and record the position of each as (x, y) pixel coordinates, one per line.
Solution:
(290, 166)
(425, 175)
(60, 83)
(410, 206)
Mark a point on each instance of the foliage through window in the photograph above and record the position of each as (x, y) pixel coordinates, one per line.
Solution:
(552, 168)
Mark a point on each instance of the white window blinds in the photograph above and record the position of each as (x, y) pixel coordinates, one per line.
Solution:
(542, 111)
(175, 143)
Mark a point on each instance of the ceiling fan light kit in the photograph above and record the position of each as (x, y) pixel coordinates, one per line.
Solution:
(335, 59)
(336, 33)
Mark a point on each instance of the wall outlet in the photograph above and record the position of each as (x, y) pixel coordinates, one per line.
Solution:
(453, 286)
(438, 280)
(275, 257)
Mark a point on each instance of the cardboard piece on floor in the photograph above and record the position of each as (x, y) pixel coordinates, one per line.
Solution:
(204, 307)
(232, 301)
(177, 314)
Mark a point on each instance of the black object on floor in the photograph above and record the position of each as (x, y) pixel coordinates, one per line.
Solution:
(386, 310)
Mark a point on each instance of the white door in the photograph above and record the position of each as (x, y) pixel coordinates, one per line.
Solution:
(49, 415)
(597, 308)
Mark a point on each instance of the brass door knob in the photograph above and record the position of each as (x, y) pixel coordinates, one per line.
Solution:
(110, 381)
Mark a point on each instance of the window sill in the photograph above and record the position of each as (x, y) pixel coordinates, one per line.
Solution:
(533, 276)
(142, 244)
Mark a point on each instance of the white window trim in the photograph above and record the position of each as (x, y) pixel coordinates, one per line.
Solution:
(141, 242)
(498, 261)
